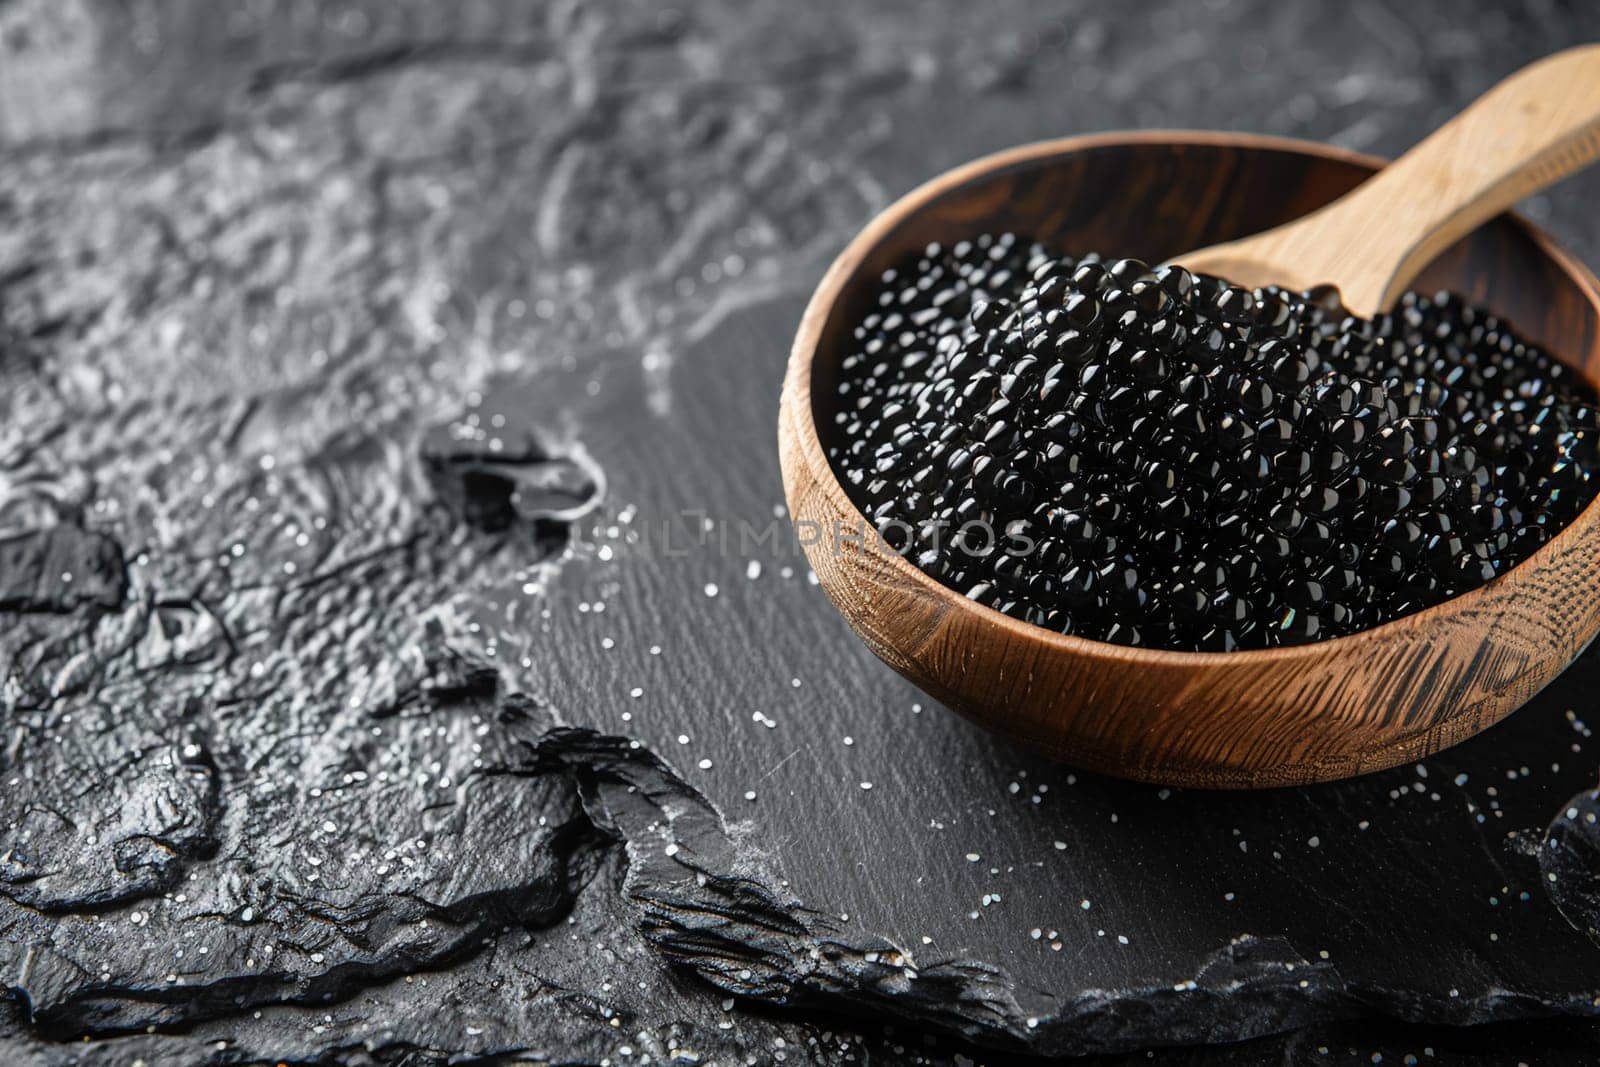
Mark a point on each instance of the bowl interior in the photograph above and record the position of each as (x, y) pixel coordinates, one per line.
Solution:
(1157, 196)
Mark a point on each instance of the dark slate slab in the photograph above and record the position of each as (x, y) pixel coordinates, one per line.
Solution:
(60, 568)
(438, 677)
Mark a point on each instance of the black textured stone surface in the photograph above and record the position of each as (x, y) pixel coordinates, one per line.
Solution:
(353, 735)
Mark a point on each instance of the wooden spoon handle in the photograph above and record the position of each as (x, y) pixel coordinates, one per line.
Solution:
(1529, 131)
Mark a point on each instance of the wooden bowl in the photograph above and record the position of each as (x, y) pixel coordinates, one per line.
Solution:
(1241, 719)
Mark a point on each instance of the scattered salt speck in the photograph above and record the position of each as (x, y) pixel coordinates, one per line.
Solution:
(683, 739)
(1084, 904)
(1314, 841)
(752, 570)
(866, 785)
(973, 857)
(607, 643)
(636, 692)
(848, 740)
(705, 765)
(711, 589)
(750, 794)
(1061, 846)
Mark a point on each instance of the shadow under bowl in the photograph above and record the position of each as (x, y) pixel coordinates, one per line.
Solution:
(1309, 713)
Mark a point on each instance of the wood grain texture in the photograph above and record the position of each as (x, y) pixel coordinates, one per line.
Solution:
(1529, 131)
(1247, 719)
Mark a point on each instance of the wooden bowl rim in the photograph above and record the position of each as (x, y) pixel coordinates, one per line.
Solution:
(809, 335)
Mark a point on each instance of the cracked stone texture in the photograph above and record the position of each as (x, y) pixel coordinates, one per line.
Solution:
(402, 656)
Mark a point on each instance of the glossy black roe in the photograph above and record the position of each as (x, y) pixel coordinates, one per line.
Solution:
(1156, 457)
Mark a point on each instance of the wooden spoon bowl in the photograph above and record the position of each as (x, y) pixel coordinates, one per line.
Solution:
(1310, 713)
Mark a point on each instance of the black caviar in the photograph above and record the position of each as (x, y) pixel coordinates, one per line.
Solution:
(1157, 458)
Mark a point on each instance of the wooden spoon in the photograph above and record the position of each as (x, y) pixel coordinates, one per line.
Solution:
(1384, 696)
(1530, 131)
